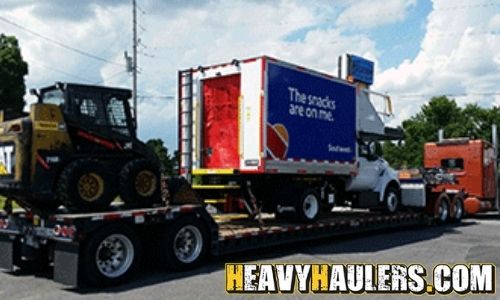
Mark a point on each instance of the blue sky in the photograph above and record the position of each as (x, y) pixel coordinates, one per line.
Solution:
(421, 48)
(402, 40)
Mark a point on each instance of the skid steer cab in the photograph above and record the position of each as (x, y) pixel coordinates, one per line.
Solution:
(77, 148)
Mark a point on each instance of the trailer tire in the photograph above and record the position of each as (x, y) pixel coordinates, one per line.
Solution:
(185, 243)
(442, 209)
(391, 199)
(102, 263)
(308, 206)
(85, 185)
(140, 183)
(458, 208)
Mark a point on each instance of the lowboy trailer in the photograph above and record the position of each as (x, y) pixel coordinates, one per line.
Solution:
(103, 249)
(246, 113)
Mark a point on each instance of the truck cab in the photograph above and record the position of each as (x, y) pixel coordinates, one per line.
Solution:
(376, 184)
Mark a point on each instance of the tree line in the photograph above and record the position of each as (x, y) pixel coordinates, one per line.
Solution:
(441, 112)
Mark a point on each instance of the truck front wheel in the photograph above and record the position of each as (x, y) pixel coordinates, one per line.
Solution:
(184, 244)
(308, 206)
(110, 256)
(391, 199)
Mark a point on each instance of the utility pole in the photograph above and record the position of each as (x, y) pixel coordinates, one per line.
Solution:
(134, 62)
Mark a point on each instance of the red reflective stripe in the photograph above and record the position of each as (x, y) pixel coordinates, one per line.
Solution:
(42, 162)
(262, 121)
(186, 208)
(112, 217)
(248, 60)
(94, 139)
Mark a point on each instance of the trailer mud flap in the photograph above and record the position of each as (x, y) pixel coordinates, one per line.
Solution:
(7, 252)
(66, 263)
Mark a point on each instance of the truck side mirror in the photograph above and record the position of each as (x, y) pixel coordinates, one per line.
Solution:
(372, 149)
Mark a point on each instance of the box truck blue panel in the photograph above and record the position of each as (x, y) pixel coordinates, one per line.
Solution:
(309, 116)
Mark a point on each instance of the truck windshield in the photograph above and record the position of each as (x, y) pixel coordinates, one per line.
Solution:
(53, 97)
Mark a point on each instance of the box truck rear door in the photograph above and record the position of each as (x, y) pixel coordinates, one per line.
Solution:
(220, 122)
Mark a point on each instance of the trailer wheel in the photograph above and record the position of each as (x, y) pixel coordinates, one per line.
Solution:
(458, 208)
(85, 185)
(391, 199)
(185, 244)
(308, 206)
(110, 256)
(442, 211)
(140, 183)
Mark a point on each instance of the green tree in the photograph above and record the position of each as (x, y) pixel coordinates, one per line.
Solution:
(168, 162)
(12, 71)
(471, 121)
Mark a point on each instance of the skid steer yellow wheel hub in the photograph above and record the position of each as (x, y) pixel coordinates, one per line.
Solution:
(145, 183)
(90, 187)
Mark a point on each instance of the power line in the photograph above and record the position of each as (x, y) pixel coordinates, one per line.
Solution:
(65, 73)
(146, 96)
(110, 77)
(81, 52)
(445, 94)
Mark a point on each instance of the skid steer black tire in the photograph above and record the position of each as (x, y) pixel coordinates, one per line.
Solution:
(85, 185)
(140, 183)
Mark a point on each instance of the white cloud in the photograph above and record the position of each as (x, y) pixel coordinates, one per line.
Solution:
(190, 35)
(197, 36)
(369, 13)
(458, 55)
(495, 23)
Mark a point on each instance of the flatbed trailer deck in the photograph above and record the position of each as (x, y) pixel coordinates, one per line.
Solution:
(247, 234)
(65, 239)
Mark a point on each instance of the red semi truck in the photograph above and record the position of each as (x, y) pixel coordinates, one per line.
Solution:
(473, 164)
(460, 174)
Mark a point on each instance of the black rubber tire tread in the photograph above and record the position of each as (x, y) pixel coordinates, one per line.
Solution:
(66, 189)
(168, 258)
(446, 198)
(128, 192)
(388, 190)
(453, 218)
(89, 272)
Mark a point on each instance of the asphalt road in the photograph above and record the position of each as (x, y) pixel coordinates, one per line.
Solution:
(476, 240)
